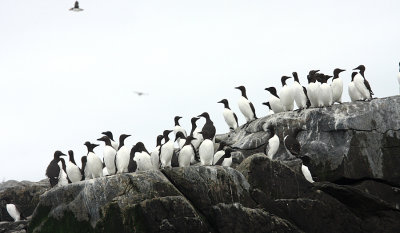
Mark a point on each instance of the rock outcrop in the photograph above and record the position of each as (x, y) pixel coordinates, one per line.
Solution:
(354, 152)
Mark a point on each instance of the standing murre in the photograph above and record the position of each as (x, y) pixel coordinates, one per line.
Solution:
(274, 100)
(13, 209)
(273, 143)
(270, 112)
(53, 170)
(313, 88)
(198, 138)
(73, 171)
(287, 98)
(166, 150)
(245, 106)
(85, 171)
(293, 147)
(109, 155)
(206, 150)
(220, 152)
(187, 153)
(354, 93)
(337, 86)
(178, 127)
(226, 158)
(141, 156)
(325, 95)
(122, 158)
(114, 144)
(362, 84)
(62, 177)
(300, 96)
(180, 139)
(155, 158)
(229, 116)
(94, 164)
(208, 128)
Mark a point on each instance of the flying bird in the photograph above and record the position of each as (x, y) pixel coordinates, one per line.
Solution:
(139, 93)
(76, 7)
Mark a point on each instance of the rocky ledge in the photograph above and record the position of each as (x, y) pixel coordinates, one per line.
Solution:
(354, 152)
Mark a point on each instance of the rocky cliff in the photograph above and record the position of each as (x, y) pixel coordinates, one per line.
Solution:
(354, 151)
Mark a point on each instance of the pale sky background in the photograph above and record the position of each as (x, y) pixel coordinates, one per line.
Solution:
(65, 77)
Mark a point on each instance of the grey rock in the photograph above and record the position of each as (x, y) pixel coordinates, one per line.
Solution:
(13, 227)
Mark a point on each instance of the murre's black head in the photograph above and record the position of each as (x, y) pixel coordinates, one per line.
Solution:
(123, 136)
(313, 72)
(205, 115)
(283, 80)
(269, 105)
(159, 139)
(228, 152)
(225, 102)
(360, 68)
(325, 78)
(353, 75)
(106, 140)
(189, 139)
(90, 146)
(272, 90)
(179, 135)
(243, 90)
(6, 200)
(166, 133)
(140, 147)
(176, 120)
(58, 153)
(296, 78)
(71, 156)
(336, 73)
(193, 120)
(221, 146)
(108, 134)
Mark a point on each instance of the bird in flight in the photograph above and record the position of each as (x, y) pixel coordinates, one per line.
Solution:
(139, 93)
(76, 7)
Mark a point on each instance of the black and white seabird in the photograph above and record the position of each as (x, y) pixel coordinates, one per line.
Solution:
(13, 209)
(300, 96)
(354, 93)
(208, 128)
(195, 134)
(94, 163)
(166, 150)
(273, 143)
(325, 95)
(362, 84)
(287, 97)
(155, 158)
(141, 156)
(337, 86)
(187, 153)
(85, 171)
(225, 159)
(180, 139)
(132, 166)
(63, 177)
(178, 127)
(313, 88)
(109, 155)
(245, 106)
(73, 171)
(114, 144)
(220, 152)
(123, 153)
(76, 7)
(270, 112)
(229, 116)
(206, 150)
(53, 170)
(293, 147)
(274, 100)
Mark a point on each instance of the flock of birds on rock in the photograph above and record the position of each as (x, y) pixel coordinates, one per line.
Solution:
(199, 147)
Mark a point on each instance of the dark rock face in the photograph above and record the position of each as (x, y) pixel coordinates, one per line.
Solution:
(13, 227)
(25, 194)
(348, 143)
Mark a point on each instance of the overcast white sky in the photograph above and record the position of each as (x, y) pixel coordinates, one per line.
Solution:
(65, 77)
